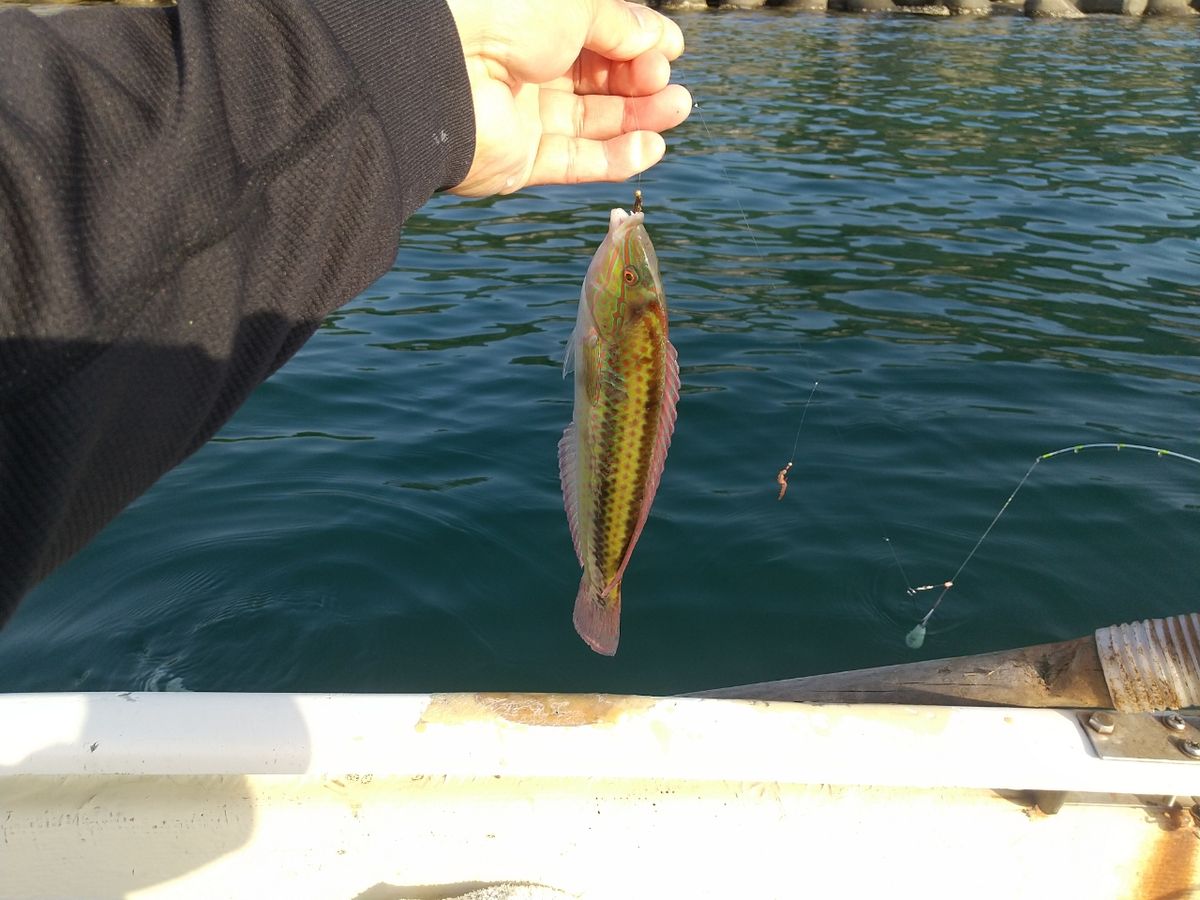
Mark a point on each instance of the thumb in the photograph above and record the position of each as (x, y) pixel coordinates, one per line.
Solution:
(538, 40)
(622, 31)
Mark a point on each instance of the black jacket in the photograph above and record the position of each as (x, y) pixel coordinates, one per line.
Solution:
(184, 194)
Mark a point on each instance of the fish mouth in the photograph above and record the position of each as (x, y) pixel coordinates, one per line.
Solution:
(619, 217)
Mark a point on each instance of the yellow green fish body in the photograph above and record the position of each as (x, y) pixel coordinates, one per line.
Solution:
(612, 454)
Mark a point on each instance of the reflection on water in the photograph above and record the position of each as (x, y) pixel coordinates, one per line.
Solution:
(980, 236)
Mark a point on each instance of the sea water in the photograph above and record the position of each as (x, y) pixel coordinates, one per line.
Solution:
(979, 235)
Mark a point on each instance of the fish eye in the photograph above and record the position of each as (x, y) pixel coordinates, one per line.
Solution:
(630, 275)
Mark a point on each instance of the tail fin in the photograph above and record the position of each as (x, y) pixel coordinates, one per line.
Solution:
(598, 619)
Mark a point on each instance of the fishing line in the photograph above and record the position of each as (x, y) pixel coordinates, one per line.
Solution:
(637, 126)
(909, 589)
(782, 474)
(916, 637)
(720, 165)
(803, 413)
(712, 143)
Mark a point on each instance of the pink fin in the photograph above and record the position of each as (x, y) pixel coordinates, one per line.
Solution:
(598, 620)
(567, 468)
(662, 441)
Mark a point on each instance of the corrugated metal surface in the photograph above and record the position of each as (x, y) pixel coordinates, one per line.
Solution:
(1153, 664)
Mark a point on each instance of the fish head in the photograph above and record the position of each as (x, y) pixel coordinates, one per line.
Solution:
(623, 282)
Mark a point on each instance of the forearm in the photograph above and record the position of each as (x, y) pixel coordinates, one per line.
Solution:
(184, 194)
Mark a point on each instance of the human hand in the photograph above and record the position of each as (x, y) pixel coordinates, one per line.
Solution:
(566, 91)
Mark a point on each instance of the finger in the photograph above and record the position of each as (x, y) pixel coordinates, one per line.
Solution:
(596, 117)
(566, 160)
(622, 30)
(537, 42)
(594, 74)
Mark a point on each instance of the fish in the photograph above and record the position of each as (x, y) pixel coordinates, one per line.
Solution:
(611, 456)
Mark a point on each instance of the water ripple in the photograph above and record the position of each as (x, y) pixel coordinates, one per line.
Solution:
(980, 236)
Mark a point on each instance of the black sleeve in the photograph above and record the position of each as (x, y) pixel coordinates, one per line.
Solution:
(184, 194)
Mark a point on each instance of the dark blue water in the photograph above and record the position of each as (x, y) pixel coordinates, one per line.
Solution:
(980, 236)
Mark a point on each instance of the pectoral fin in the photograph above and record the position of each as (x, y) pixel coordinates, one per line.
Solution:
(591, 367)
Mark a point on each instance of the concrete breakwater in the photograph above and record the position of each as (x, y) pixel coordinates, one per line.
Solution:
(1060, 9)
